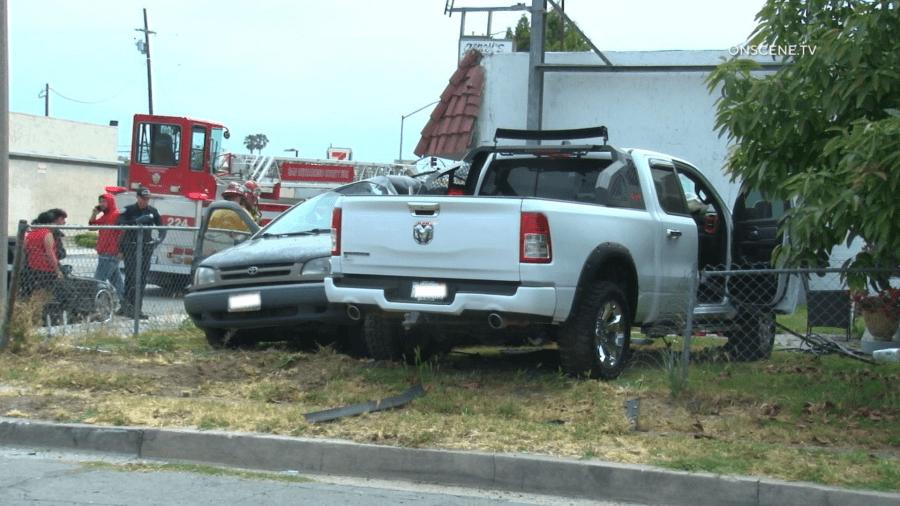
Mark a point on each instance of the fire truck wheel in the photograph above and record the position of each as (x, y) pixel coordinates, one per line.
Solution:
(174, 284)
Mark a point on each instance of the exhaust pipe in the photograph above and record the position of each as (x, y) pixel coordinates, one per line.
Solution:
(353, 312)
(496, 321)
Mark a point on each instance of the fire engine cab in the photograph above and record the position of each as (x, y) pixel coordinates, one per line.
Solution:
(182, 161)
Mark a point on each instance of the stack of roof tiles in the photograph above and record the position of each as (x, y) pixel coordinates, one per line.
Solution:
(449, 131)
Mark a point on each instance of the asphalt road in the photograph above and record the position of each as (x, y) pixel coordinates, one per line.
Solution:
(52, 478)
(507, 478)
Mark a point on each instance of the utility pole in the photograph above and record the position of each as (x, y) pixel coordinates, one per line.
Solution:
(145, 49)
(4, 167)
(534, 114)
(46, 96)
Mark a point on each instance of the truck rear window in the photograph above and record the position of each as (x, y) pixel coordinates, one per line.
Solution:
(587, 180)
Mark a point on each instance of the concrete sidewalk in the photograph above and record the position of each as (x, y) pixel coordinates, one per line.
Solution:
(584, 479)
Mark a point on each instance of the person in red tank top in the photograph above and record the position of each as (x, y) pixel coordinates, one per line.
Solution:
(43, 268)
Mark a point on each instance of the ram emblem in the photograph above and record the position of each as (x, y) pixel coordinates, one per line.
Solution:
(423, 232)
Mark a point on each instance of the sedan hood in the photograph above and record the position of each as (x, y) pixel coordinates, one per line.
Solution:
(272, 250)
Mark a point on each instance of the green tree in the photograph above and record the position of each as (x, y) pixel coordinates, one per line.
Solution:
(557, 38)
(256, 141)
(824, 128)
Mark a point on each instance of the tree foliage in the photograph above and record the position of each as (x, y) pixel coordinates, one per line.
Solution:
(824, 129)
(557, 38)
(256, 141)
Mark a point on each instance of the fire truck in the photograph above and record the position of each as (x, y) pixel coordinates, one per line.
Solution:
(183, 163)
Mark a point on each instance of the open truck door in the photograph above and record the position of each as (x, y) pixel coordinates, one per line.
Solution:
(757, 295)
(757, 222)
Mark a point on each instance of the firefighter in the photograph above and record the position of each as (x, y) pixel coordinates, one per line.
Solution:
(252, 198)
(228, 219)
(221, 221)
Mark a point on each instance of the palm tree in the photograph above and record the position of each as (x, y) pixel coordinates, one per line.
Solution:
(256, 141)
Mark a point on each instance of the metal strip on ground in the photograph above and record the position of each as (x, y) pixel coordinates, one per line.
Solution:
(367, 407)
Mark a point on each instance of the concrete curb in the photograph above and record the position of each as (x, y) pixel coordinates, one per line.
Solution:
(510, 472)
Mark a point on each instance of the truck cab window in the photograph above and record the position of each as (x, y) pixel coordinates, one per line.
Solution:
(757, 207)
(588, 180)
(198, 142)
(669, 191)
(619, 186)
(214, 147)
(158, 144)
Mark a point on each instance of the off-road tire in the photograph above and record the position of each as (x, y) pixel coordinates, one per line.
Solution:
(386, 339)
(383, 338)
(754, 336)
(596, 342)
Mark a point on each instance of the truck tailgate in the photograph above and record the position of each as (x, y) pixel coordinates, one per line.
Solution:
(431, 237)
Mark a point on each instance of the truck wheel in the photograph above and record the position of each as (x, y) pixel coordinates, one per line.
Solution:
(383, 337)
(754, 337)
(597, 341)
(220, 339)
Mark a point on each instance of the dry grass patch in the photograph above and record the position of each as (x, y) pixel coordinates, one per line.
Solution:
(795, 417)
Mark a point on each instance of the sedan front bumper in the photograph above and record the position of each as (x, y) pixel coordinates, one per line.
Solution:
(280, 306)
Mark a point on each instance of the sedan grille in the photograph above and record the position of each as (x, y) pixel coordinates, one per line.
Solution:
(258, 273)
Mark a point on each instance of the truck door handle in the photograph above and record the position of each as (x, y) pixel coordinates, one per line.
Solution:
(672, 233)
(753, 233)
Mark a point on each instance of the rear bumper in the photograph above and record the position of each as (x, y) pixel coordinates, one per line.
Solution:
(281, 306)
(532, 302)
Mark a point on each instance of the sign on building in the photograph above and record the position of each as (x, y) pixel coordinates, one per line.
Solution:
(484, 45)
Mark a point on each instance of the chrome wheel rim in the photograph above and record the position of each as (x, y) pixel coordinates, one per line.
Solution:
(609, 335)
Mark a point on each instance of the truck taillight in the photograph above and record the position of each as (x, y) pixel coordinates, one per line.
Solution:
(336, 231)
(534, 239)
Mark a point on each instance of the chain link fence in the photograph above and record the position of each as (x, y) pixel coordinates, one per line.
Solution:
(728, 315)
(124, 294)
(744, 316)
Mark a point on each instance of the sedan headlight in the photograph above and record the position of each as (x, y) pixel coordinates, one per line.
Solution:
(317, 267)
(204, 276)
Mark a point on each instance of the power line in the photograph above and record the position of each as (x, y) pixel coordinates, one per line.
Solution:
(116, 94)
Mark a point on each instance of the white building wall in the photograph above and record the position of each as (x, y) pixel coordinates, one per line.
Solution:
(58, 163)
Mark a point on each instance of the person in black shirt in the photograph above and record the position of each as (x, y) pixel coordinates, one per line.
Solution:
(140, 213)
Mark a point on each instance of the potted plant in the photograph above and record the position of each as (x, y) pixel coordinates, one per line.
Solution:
(880, 311)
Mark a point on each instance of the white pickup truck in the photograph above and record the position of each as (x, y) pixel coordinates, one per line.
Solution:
(575, 244)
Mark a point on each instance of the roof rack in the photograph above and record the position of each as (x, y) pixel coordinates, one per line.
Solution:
(552, 135)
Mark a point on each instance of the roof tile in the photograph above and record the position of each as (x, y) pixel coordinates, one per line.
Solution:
(450, 129)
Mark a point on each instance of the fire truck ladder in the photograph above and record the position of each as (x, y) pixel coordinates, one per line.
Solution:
(260, 166)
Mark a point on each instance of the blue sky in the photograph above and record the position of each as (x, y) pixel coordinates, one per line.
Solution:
(308, 75)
